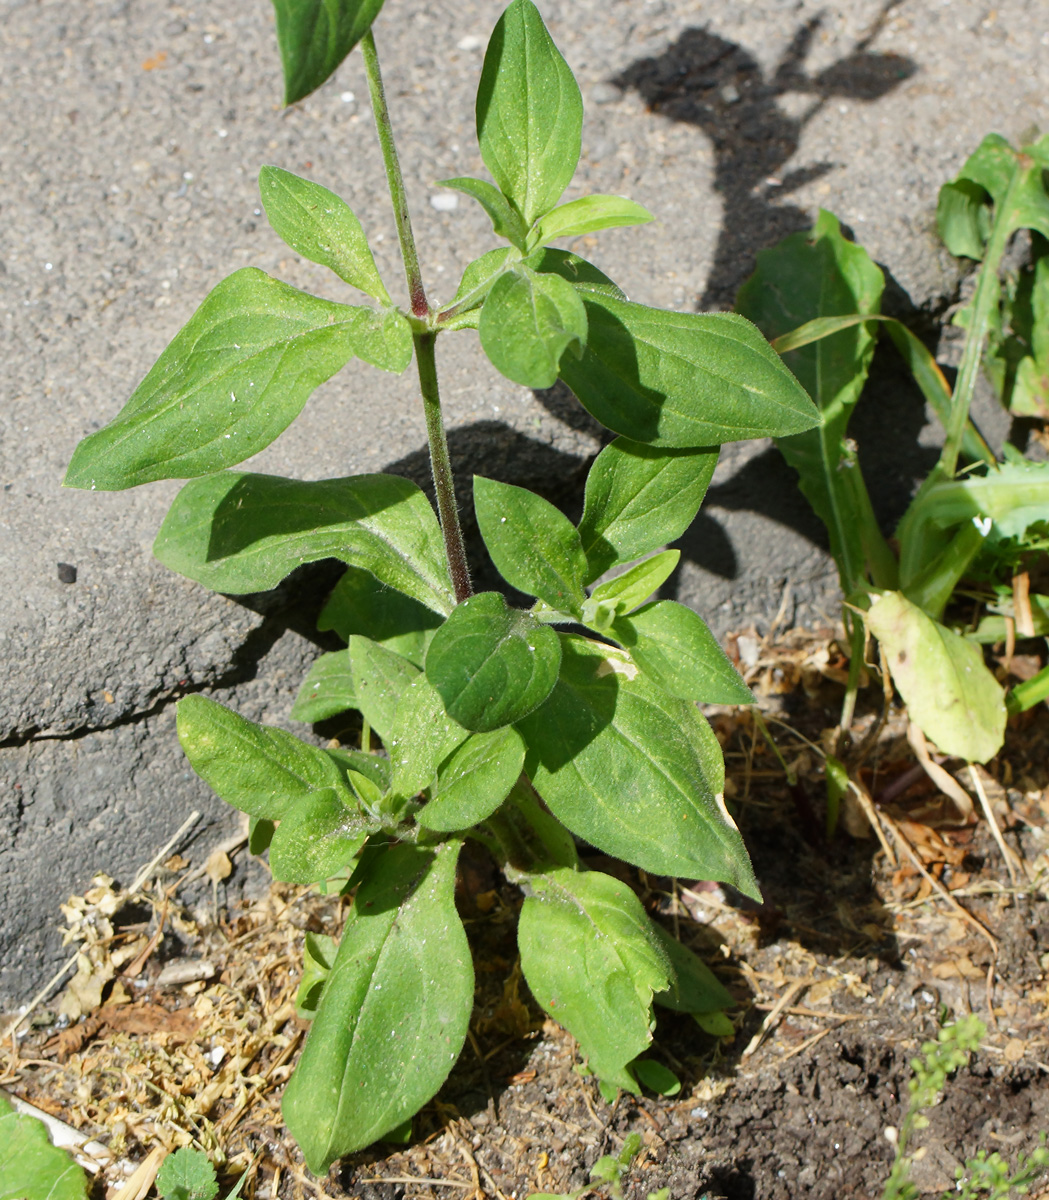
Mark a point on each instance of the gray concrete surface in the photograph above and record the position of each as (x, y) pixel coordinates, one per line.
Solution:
(132, 138)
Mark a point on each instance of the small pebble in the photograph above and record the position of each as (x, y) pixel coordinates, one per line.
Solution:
(444, 201)
(66, 573)
(730, 93)
(470, 42)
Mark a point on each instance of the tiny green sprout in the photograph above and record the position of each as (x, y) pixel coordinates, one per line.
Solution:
(188, 1175)
(986, 1176)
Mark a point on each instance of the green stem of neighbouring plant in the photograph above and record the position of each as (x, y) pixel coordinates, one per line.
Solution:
(441, 463)
(985, 299)
(857, 641)
(412, 271)
(1029, 693)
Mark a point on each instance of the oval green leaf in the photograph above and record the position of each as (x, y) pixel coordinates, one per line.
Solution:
(528, 322)
(674, 647)
(694, 988)
(949, 692)
(634, 586)
(636, 772)
(593, 962)
(533, 545)
(683, 380)
(315, 36)
(529, 112)
(360, 603)
(31, 1168)
(256, 768)
(639, 498)
(473, 781)
(506, 220)
(589, 214)
(235, 376)
(321, 227)
(423, 736)
(237, 532)
(380, 678)
(317, 837)
(492, 664)
(394, 1012)
(327, 689)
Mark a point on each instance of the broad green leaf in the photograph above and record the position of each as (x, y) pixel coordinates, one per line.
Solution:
(318, 958)
(492, 664)
(318, 836)
(360, 603)
(636, 772)
(30, 1167)
(1013, 496)
(963, 218)
(919, 359)
(327, 689)
(593, 962)
(683, 380)
(1018, 361)
(235, 376)
(534, 546)
(1011, 179)
(423, 736)
(949, 692)
(991, 165)
(381, 678)
(478, 280)
(528, 322)
(315, 36)
(694, 988)
(506, 220)
(639, 498)
(394, 1013)
(656, 1077)
(236, 532)
(625, 592)
(321, 227)
(582, 275)
(356, 762)
(473, 781)
(717, 1024)
(819, 273)
(589, 214)
(674, 647)
(529, 113)
(261, 770)
(187, 1175)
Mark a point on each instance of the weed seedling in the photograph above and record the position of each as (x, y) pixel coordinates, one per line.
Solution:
(985, 1175)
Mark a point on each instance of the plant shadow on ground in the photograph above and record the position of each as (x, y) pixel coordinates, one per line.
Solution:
(719, 86)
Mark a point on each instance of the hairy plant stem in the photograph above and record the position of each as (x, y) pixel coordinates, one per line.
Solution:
(455, 550)
(425, 358)
(412, 271)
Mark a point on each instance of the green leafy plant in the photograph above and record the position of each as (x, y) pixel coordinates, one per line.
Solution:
(818, 296)
(984, 1175)
(517, 728)
(31, 1168)
(607, 1171)
(188, 1175)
